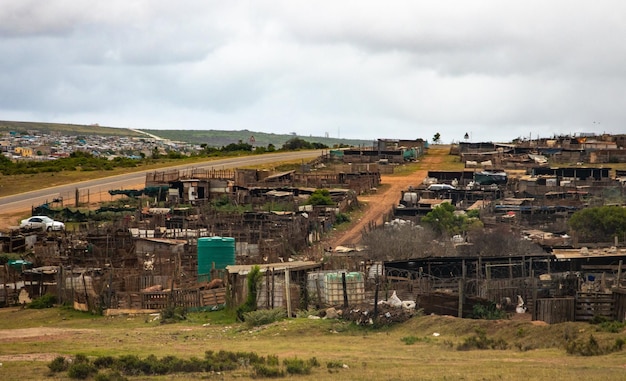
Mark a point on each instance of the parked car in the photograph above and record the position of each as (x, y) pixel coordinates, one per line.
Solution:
(436, 187)
(42, 222)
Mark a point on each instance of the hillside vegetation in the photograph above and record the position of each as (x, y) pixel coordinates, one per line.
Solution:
(218, 138)
(66, 129)
(213, 138)
(424, 347)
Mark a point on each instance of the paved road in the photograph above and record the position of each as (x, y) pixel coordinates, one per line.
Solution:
(24, 201)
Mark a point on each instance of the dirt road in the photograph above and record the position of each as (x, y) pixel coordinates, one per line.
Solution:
(380, 203)
(376, 205)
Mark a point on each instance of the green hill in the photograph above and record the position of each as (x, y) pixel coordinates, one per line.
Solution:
(213, 138)
(219, 138)
(66, 129)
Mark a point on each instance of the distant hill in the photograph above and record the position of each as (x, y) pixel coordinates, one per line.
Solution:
(213, 138)
(219, 138)
(66, 129)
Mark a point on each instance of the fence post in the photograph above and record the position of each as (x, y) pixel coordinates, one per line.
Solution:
(345, 290)
(288, 291)
(462, 289)
(534, 282)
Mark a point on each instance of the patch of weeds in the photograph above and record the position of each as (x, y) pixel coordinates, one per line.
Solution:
(524, 347)
(521, 332)
(334, 365)
(297, 366)
(604, 324)
(173, 315)
(44, 301)
(581, 347)
(267, 371)
(272, 360)
(591, 347)
(308, 312)
(117, 369)
(262, 317)
(81, 370)
(410, 340)
(448, 344)
(488, 312)
(59, 364)
(341, 218)
(481, 341)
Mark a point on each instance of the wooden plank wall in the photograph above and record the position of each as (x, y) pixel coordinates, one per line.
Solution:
(555, 310)
(619, 304)
(162, 299)
(590, 304)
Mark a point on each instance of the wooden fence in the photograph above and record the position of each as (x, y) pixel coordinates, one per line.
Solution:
(592, 304)
(583, 307)
(162, 299)
(556, 310)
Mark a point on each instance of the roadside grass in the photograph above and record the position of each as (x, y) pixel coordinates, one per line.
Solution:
(368, 353)
(14, 184)
(448, 162)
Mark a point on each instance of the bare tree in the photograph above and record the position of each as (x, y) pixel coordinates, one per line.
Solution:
(406, 242)
(500, 241)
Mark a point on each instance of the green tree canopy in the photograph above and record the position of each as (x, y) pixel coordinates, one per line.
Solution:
(443, 220)
(437, 138)
(320, 197)
(599, 224)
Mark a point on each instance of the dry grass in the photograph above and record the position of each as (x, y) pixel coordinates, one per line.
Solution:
(369, 353)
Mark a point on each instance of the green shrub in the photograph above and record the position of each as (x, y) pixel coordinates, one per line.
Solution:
(334, 364)
(409, 340)
(591, 347)
(604, 324)
(320, 197)
(253, 278)
(272, 360)
(313, 362)
(267, 371)
(488, 312)
(581, 347)
(59, 364)
(44, 301)
(173, 314)
(262, 317)
(341, 218)
(81, 370)
(481, 341)
(297, 366)
(104, 362)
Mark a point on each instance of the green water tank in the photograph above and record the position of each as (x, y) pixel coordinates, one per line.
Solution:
(214, 250)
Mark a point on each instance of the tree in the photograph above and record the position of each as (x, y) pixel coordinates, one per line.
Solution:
(599, 224)
(437, 138)
(254, 280)
(443, 220)
(320, 197)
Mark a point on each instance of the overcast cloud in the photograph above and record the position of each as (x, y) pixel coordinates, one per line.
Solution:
(354, 69)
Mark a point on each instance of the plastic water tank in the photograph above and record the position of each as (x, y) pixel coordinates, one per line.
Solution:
(215, 250)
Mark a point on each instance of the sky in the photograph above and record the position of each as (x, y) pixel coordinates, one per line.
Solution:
(494, 70)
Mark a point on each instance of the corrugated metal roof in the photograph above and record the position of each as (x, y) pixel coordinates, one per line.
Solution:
(280, 266)
(588, 253)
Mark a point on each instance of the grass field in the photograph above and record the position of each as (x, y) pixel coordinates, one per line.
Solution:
(406, 351)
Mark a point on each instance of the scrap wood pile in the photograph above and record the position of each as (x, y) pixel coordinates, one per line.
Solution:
(388, 311)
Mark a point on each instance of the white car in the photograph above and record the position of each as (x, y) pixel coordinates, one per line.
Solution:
(436, 187)
(42, 222)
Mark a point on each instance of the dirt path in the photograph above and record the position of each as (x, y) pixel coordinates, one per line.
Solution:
(377, 205)
(380, 203)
